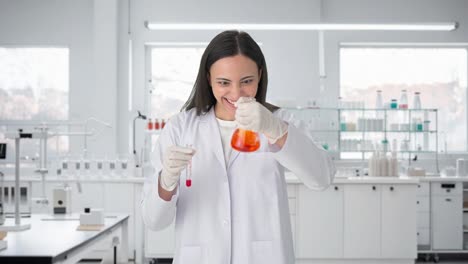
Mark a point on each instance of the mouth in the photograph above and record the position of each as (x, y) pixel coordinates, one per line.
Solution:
(230, 103)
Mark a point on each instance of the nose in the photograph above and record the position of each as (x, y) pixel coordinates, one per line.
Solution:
(236, 92)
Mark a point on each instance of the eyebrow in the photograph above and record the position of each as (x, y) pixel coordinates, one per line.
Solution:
(223, 79)
(243, 78)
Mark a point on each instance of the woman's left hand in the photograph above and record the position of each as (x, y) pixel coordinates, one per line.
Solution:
(251, 115)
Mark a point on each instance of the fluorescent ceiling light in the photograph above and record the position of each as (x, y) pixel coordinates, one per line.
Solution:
(410, 27)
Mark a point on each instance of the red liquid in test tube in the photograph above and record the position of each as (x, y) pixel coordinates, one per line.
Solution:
(188, 172)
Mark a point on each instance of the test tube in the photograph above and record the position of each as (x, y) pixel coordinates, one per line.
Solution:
(188, 172)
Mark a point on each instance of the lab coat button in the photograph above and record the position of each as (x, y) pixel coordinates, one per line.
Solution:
(225, 222)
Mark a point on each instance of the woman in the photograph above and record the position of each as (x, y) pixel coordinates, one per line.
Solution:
(236, 210)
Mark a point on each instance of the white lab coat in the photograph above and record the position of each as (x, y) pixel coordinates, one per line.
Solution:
(238, 214)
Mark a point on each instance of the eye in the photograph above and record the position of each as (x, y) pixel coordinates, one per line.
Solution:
(248, 81)
(223, 83)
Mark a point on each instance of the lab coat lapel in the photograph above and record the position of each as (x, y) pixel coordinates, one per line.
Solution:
(214, 137)
(233, 157)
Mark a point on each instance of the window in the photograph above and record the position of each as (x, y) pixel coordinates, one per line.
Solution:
(173, 74)
(439, 74)
(34, 87)
(34, 83)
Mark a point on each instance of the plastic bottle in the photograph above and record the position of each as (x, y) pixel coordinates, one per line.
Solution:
(404, 100)
(393, 165)
(417, 101)
(371, 171)
(383, 164)
(378, 100)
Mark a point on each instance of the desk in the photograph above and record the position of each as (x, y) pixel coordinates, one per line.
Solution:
(56, 240)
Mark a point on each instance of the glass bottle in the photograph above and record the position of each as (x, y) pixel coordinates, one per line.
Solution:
(378, 100)
(150, 124)
(404, 100)
(417, 101)
(245, 140)
(156, 124)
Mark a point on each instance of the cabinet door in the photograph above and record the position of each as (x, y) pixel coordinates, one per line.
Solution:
(319, 230)
(447, 225)
(399, 232)
(362, 221)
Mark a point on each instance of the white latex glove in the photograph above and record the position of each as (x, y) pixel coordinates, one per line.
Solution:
(175, 160)
(251, 115)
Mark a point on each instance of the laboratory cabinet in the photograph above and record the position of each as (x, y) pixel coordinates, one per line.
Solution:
(442, 218)
(319, 223)
(357, 221)
(447, 216)
(362, 221)
(423, 215)
(398, 221)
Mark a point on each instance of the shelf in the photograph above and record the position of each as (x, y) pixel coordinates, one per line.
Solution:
(400, 151)
(153, 132)
(386, 131)
(356, 109)
(387, 110)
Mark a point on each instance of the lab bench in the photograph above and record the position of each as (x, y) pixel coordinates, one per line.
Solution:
(363, 219)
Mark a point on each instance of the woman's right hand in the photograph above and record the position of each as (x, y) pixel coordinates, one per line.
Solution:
(175, 160)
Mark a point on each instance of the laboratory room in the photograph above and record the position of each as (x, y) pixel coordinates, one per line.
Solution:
(233, 132)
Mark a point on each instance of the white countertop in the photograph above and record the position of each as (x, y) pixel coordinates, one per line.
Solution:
(290, 179)
(443, 179)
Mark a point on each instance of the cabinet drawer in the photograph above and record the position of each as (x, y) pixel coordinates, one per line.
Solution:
(447, 188)
(423, 189)
(422, 203)
(291, 190)
(292, 206)
(423, 220)
(423, 236)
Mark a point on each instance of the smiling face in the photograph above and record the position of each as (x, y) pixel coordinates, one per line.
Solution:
(232, 78)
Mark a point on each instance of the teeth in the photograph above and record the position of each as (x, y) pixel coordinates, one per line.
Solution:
(230, 101)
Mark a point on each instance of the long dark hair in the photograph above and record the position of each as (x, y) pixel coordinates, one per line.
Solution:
(226, 44)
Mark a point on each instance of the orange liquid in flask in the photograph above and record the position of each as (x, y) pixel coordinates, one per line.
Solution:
(245, 140)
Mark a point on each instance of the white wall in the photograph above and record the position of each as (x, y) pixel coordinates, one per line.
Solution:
(292, 57)
(93, 54)
(99, 32)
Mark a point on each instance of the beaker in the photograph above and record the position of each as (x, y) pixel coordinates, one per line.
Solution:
(245, 140)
